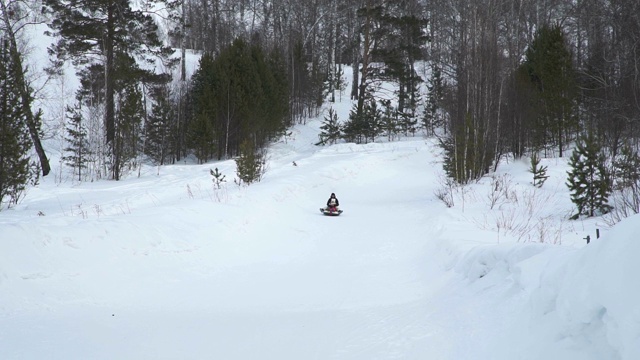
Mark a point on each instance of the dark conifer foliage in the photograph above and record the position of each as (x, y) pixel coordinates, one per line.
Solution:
(431, 118)
(250, 163)
(588, 178)
(402, 35)
(14, 136)
(550, 68)
(128, 140)
(161, 127)
(539, 172)
(9, 32)
(115, 31)
(238, 95)
(77, 150)
(330, 130)
(463, 152)
(389, 123)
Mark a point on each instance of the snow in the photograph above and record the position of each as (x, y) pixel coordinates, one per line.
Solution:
(166, 266)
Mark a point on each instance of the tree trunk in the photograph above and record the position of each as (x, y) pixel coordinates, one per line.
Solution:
(25, 93)
(365, 60)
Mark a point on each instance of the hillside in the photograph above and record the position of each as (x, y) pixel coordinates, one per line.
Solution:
(166, 266)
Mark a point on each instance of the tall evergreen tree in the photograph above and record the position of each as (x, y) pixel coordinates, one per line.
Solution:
(364, 125)
(78, 147)
(33, 120)
(403, 40)
(588, 179)
(159, 126)
(128, 140)
(238, 95)
(389, 120)
(431, 118)
(462, 153)
(113, 30)
(549, 64)
(14, 137)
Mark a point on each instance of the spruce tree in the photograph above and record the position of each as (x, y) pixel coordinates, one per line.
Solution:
(626, 174)
(372, 118)
(626, 168)
(389, 120)
(431, 119)
(250, 163)
(201, 133)
(78, 147)
(242, 93)
(461, 153)
(159, 126)
(14, 136)
(539, 172)
(353, 128)
(550, 68)
(330, 130)
(408, 123)
(129, 117)
(588, 180)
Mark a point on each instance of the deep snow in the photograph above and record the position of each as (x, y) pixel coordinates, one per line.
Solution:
(166, 266)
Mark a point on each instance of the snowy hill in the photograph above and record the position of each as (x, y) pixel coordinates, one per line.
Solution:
(166, 266)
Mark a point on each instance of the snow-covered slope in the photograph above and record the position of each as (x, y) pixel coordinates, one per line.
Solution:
(166, 266)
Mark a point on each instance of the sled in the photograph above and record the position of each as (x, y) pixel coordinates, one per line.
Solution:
(328, 212)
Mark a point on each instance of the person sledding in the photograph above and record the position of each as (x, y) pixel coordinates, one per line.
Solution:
(333, 203)
(332, 206)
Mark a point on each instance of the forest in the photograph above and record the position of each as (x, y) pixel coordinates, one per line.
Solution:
(492, 79)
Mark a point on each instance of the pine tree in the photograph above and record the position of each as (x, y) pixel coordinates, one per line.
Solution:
(115, 33)
(218, 178)
(250, 164)
(372, 119)
(431, 119)
(389, 121)
(539, 172)
(352, 129)
(461, 153)
(330, 130)
(14, 136)
(128, 141)
(243, 94)
(363, 126)
(626, 173)
(10, 32)
(550, 67)
(408, 123)
(588, 180)
(626, 169)
(159, 126)
(78, 148)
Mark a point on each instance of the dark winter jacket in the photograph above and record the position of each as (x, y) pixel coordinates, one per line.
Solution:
(336, 203)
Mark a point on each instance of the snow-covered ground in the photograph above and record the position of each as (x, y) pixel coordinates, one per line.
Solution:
(166, 266)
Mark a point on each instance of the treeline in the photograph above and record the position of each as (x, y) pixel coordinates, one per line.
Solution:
(504, 78)
(533, 78)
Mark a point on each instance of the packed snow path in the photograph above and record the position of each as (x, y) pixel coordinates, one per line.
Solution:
(166, 267)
